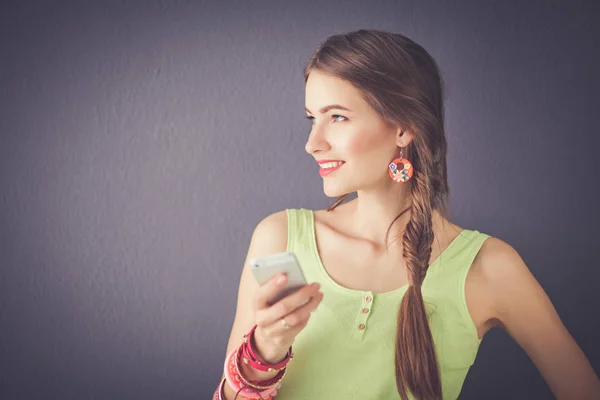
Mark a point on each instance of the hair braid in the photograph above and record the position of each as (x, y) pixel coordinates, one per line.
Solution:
(415, 352)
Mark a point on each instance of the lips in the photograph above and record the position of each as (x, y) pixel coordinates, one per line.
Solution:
(326, 171)
(328, 161)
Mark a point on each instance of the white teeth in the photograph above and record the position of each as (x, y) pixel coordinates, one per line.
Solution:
(331, 164)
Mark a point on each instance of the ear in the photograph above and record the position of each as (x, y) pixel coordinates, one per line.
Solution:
(403, 137)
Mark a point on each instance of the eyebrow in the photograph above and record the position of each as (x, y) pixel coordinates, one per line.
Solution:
(330, 107)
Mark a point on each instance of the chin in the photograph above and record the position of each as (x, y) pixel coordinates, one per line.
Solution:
(335, 191)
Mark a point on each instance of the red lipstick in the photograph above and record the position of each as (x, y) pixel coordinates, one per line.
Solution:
(326, 171)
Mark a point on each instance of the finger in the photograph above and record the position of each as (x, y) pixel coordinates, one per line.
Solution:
(279, 333)
(287, 305)
(268, 289)
(301, 314)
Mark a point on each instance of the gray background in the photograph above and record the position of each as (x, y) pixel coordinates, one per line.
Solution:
(142, 142)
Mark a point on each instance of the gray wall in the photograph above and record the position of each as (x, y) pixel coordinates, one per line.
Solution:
(141, 144)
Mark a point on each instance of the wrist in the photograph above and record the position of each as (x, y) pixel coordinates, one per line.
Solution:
(256, 375)
(243, 384)
(268, 353)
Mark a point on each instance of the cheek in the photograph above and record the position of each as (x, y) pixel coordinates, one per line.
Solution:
(356, 146)
(365, 143)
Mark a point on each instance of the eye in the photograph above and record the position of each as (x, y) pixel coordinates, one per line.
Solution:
(311, 118)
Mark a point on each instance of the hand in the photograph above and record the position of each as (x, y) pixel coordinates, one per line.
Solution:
(272, 337)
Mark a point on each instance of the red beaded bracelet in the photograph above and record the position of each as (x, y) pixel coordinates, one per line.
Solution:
(255, 384)
(219, 392)
(249, 356)
(239, 384)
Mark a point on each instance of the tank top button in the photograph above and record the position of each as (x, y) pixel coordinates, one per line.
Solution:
(365, 310)
(368, 299)
(361, 326)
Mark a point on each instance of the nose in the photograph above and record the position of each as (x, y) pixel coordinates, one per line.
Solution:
(316, 140)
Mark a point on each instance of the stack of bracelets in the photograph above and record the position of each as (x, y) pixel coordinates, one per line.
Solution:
(244, 387)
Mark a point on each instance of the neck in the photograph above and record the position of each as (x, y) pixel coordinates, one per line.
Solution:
(371, 214)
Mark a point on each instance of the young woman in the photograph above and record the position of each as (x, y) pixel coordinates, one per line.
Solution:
(400, 297)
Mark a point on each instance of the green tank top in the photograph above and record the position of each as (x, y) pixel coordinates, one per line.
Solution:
(346, 351)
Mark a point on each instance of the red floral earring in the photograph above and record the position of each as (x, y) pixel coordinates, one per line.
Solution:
(400, 170)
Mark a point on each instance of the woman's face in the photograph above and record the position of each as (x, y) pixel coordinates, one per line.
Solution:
(357, 135)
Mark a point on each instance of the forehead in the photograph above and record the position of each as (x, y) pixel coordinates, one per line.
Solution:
(324, 89)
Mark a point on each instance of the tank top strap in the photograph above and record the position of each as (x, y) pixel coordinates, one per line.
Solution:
(466, 255)
(465, 259)
(459, 255)
(445, 281)
(299, 226)
(301, 242)
(444, 294)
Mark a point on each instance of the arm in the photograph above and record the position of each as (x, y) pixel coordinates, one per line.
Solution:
(271, 339)
(270, 236)
(525, 311)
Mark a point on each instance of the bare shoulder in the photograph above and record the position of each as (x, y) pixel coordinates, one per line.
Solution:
(498, 264)
(271, 233)
(497, 269)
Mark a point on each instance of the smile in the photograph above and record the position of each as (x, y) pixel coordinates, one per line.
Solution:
(328, 168)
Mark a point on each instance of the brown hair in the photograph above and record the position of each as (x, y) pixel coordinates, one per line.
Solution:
(403, 84)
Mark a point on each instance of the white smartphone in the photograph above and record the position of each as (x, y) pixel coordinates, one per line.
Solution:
(265, 267)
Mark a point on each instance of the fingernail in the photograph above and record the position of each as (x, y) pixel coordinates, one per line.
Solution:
(280, 280)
